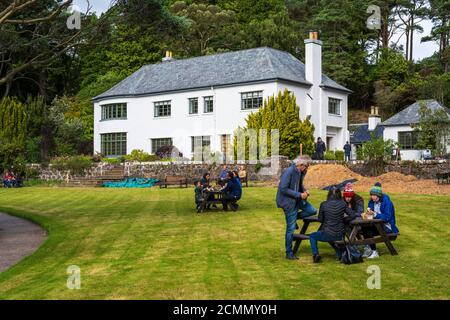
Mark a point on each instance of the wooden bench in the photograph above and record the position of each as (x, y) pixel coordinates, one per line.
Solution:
(443, 177)
(174, 181)
(244, 180)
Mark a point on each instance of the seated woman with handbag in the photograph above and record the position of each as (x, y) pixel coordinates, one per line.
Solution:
(331, 215)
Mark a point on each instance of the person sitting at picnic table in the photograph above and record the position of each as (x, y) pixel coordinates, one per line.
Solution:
(223, 176)
(355, 203)
(380, 207)
(242, 173)
(205, 180)
(331, 215)
(198, 190)
(231, 192)
(206, 186)
(292, 197)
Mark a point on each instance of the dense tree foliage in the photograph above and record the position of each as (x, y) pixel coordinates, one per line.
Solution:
(433, 130)
(53, 72)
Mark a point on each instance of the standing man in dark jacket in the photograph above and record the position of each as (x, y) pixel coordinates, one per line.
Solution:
(347, 151)
(320, 148)
(292, 197)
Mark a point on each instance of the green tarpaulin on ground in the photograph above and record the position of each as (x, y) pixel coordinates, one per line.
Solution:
(131, 183)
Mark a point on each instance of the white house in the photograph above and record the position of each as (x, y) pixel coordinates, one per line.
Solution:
(400, 129)
(201, 101)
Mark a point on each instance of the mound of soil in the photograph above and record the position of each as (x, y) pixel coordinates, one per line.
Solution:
(320, 176)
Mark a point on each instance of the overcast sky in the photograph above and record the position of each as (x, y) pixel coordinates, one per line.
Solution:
(421, 50)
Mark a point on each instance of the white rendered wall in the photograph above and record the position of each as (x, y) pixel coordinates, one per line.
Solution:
(141, 126)
(392, 133)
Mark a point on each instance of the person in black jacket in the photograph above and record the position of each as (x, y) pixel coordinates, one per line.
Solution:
(320, 149)
(331, 215)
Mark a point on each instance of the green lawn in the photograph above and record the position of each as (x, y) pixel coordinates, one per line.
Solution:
(150, 244)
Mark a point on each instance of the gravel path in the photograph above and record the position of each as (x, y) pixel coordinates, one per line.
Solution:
(18, 239)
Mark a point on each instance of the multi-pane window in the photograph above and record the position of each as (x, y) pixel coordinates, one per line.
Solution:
(114, 111)
(200, 142)
(114, 144)
(162, 109)
(208, 103)
(161, 142)
(407, 139)
(334, 106)
(193, 105)
(251, 100)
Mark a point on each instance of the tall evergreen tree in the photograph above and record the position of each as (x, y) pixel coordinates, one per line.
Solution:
(282, 113)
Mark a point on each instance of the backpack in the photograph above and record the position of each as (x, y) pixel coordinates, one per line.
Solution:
(351, 254)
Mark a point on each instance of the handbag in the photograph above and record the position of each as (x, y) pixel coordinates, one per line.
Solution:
(351, 253)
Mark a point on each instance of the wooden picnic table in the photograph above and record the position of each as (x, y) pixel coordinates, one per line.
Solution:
(355, 237)
(209, 198)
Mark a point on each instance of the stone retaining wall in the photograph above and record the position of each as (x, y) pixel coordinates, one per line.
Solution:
(256, 172)
(421, 170)
(192, 170)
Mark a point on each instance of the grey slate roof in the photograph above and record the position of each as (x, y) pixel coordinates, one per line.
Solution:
(410, 115)
(362, 134)
(230, 68)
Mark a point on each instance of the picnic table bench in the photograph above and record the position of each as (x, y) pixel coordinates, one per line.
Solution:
(173, 181)
(355, 234)
(210, 198)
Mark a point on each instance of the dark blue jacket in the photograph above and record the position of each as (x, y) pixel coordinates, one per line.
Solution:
(234, 188)
(387, 212)
(289, 189)
(348, 149)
